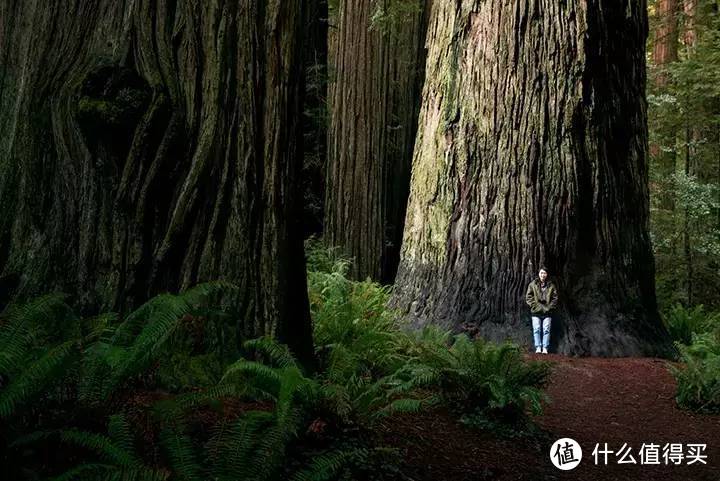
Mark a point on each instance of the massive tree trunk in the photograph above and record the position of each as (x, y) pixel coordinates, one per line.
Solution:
(374, 99)
(531, 150)
(149, 145)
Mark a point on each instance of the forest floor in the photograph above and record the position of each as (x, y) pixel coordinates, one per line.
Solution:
(593, 401)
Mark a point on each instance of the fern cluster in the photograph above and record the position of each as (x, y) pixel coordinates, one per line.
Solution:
(477, 377)
(697, 337)
(682, 322)
(51, 358)
(375, 365)
(185, 351)
(698, 375)
(39, 343)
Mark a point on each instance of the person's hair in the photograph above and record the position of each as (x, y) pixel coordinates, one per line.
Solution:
(543, 268)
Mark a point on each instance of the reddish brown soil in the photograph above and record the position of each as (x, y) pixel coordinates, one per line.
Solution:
(593, 400)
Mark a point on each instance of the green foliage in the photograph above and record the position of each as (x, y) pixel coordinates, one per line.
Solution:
(683, 322)
(684, 128)
(182, 351)
(354, 331)
(481, 376)
(127, 350)
(698, 377)
(372, 365)
(697, 337)
(389, 16)
(254, 446)
(116, 453)
(36, 376)
(38, 344)
(29, 326)
(321, 259)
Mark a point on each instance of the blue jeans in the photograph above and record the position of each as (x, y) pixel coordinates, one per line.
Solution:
(543, 341)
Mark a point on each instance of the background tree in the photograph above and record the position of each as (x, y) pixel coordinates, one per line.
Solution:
(532, 150)
(684, 120)
(376, 60)
(664, 42)
(150, 145)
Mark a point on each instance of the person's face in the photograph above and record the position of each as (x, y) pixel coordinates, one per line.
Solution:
(543, 275)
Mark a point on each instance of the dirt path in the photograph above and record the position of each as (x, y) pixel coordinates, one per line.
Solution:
(593, 400)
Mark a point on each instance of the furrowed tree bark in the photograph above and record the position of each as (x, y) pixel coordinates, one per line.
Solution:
(531, 150)
(373, 95)
(147, 145)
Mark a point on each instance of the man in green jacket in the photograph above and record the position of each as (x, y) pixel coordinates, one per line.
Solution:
(542, 298)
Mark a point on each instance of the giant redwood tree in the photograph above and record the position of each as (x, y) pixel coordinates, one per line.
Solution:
(375, 63)
(532, 150)
(148, 145)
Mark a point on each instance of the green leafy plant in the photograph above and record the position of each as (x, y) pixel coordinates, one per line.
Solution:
(480, 376)
(39, 342)
(117, 457)
(683, 322)
(698, 375)
(130, 348)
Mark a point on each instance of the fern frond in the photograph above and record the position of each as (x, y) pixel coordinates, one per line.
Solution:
(99, 326)
(406, 405)
(106, 472)
(262, 377)
(162, 314)
(101, 445)
(89, 471)
(164, 309)
(22, 324)
(120, 433)
(33, 379)
(292, 383)
(231, 450)
(168, 409)
(201, 293)
(328, 465)
(277, 354)
(181, 453)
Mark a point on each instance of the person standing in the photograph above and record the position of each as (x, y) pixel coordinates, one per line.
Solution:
(542, 298)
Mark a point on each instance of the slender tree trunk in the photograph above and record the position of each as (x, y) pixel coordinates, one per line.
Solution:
(531, 150)
(665, 52)
(149, 145)
(689, 8)
(665, 41)
(691, 135)
(687, 248)
(374, 90)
